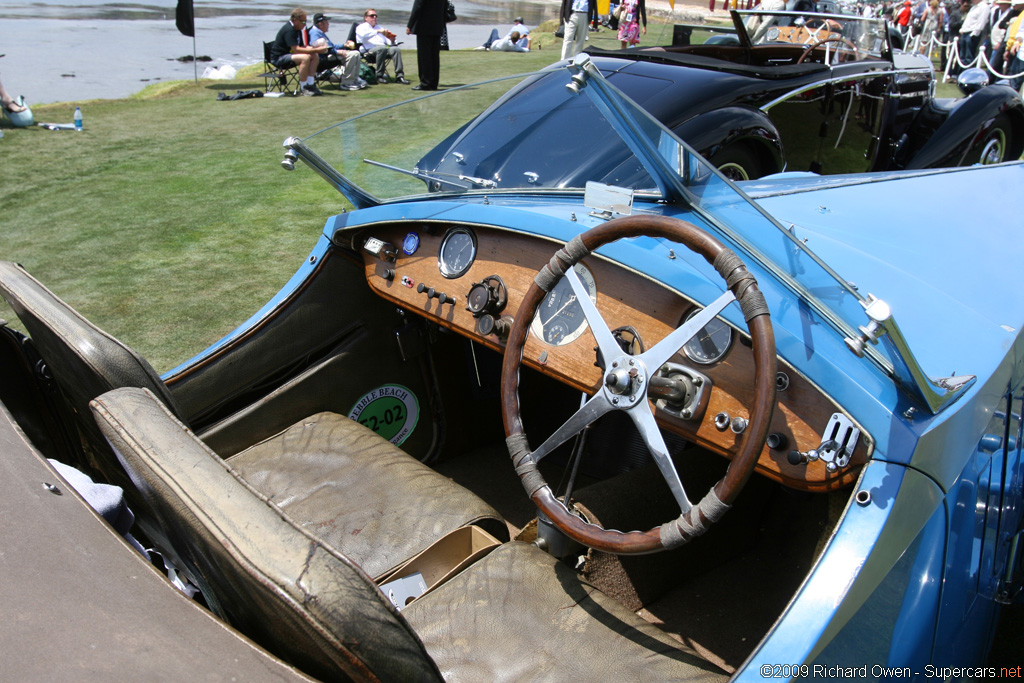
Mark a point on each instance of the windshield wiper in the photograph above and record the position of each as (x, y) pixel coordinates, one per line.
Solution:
(437, 176)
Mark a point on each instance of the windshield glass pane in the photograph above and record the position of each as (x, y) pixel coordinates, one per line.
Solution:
(844, 37)
(543, 136)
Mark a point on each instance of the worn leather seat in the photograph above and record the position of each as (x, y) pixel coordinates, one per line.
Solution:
(333, 475)
(515, 615)
(360, 493)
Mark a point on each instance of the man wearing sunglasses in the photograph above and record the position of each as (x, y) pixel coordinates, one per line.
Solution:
(380, 44)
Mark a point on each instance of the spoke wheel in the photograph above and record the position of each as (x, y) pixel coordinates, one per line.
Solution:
(624, 386)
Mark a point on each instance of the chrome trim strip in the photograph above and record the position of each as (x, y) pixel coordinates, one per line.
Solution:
(837, 79)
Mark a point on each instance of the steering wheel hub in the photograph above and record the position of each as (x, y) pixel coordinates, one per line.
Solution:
(626, 379)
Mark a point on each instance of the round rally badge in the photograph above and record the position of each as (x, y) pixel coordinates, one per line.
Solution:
(390, 410)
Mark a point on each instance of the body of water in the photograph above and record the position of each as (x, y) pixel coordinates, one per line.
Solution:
(88, 49)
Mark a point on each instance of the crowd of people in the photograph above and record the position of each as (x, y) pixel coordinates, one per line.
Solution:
(962, 33)
(316, 57)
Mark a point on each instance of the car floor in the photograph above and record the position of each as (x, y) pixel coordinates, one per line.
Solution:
(719, 594)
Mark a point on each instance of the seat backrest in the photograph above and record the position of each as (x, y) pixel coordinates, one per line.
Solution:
(275, 582)
(266, 52)
(84, 360)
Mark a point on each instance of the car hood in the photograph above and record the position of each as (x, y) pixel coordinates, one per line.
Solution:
(934, 263)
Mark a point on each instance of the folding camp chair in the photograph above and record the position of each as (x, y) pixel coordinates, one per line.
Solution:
(277, 79)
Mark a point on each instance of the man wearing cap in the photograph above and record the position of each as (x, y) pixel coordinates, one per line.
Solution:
(1014, 38)
(288, 51)
(335, 56)
(380, 43)
(999, 20)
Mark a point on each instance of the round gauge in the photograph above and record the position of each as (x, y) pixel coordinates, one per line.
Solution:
(559, 319)
(773, 33)
(711, 343)
(410, 244)
(458, 249)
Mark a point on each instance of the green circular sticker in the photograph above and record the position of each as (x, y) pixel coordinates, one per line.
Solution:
(391, 410)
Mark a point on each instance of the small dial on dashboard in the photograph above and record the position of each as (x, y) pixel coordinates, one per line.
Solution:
(559, 319)
(710, 344)
(457, 252)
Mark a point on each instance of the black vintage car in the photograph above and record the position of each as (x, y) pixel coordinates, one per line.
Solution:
(827, 93)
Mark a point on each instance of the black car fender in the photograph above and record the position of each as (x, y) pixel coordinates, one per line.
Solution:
(948, 131)
(713, 132)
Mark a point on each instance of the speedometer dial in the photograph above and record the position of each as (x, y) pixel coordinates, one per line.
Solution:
(711, 343)
(559, 319)
(458, 250)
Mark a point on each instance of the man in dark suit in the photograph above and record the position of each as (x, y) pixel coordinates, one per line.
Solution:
(427, 22)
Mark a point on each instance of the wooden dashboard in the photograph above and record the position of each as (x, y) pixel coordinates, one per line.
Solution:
(415, 282)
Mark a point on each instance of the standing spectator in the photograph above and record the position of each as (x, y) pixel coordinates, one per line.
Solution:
(288, 51)
(380, 44)
(1014, 38)
(632, 21)
(903, 17)
(999, 19)
(957, 12)
(576, 14)
(427, 21)
(335, 56)
(971, 32)
(929, 25)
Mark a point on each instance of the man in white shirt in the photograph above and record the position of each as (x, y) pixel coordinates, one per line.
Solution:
(380, 43)
(972, 30)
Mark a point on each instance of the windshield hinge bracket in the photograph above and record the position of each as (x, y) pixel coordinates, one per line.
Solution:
(934, 394)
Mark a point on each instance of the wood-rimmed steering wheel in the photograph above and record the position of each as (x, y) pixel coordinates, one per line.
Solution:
(624, 383)
(830, 39)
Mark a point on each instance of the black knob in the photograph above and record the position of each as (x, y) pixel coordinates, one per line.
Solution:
(421, 288)
(776, 441)
(500, 326)
(795, 458)
(487, 297)
(388, 274)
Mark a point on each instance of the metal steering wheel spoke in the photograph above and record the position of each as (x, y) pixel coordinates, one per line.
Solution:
(602, 333)
(670, 345)
(597, 406)
(644, 420)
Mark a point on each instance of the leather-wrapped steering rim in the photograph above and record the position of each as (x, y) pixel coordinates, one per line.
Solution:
(741, 283)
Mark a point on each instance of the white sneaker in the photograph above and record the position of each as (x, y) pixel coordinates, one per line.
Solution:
(362, 83)
(354, 86)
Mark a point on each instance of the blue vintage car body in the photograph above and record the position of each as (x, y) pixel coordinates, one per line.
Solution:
(923, 552)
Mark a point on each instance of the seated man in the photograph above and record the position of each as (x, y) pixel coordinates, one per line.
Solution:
(335, 56)
(288, 51)
(380, 43)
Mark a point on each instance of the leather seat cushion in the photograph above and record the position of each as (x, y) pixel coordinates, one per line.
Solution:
(359, 492)
(520, 615)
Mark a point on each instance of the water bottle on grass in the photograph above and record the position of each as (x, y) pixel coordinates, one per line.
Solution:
(78, 118)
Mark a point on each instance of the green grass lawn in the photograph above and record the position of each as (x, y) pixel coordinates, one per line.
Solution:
(169, 219)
